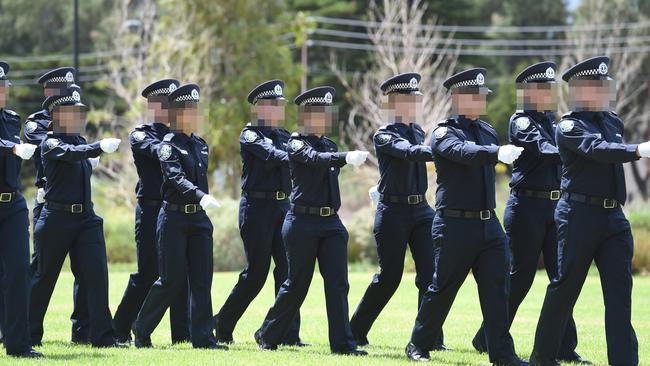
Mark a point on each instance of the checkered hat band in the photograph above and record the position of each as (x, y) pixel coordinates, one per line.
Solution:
(157, 92)
(58, 79)
(60, 101)
(266, 93)
(590, 72)
(185, 98)
(463, 83)
(314, 100)
(539, 75)
(400, 86)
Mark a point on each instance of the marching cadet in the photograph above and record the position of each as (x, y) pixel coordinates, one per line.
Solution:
(535, 190)
(144, 145)
(403, 215)
(466, 232)
(184, 230)
(266, 185)
(591, 225)
(68, 222)
(38, 124)
(14, 230)
(312, 229)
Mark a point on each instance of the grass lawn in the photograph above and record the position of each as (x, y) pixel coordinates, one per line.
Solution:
(388, 337)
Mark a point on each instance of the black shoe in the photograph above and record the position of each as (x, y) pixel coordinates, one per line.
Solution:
(115, 344)
(31, 353)
(441, 348)
(123, 338)
(361, 341)
(181, 340)
(416, 354)
(535, 360)
(514, 361)
(575, 358)
(76, 338)
(214, 346)
(263, 345)
(352, 352)
(297, 343)
(478, 345)
(221, 337)
(142, 342)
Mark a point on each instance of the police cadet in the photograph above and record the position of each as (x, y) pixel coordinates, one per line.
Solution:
(144, 142)
(184, 230)
(14, 230)
(466, 232)
(535, 190)
(38, 124)
(312, 229)
(68, 222)
(403, 214)
(589, 217)
(266, 185)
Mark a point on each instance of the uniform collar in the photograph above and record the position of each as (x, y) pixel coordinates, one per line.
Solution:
(466, 122)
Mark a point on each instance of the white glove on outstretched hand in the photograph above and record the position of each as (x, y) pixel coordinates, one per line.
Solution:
(374, 195)
(208, 202)
(509, 153)
(40, 195)
(24, 151)
(644, 149)
(109, 145)
(356, 157)
(94, 162)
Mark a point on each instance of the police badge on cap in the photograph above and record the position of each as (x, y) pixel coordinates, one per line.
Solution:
(271, 89)
(319, 96)
(543, 72)
(595, 68)
(406, 83)
(185, 93)
(161, 88)
(62, 75)
(70, 96)
(468, 81)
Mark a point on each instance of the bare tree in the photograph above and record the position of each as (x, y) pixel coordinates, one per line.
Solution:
(403, 41)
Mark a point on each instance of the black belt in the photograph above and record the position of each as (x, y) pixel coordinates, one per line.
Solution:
(592, 200)
(147, 202)
(320, 211)
(191, 208)
(7, 197)
(548, 195)
(75, 208)
(412, 199)
(278, 196)
(468, 214)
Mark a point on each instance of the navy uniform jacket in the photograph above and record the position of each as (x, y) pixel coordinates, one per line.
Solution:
(144, 142)
(66, 166)
(9, 162)
(266, 162)
(465, 164)
(315, 164)
(592, 150)
(539, 166)
(36, 128)
(402, 159)
(184, 164)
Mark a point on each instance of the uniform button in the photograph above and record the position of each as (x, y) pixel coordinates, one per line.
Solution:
(332, 169)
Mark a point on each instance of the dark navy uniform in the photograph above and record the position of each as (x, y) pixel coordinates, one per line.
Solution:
(466, 232)
(14, 231)
(535, 190)
(591, 226)
(403, 215)
(68, 223)
(184, 235)
(144, 141)
(313, 231)
(266, 184)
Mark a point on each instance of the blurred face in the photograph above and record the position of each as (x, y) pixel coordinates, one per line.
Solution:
(541, 97)
(469, 105)
(69, 119)
(157, 109)
(185, 117)
(54, 89)
(592, 95)
(316, 120)
(402, 108)
(4, 92)
(268, 112)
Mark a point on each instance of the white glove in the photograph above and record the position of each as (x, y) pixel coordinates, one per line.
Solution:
(40, 195)
(109, 145)
(509, 153)
(94, 162)
(209, 202)
(644, 149)
(374, 195)
(24, 151)
(356, 157)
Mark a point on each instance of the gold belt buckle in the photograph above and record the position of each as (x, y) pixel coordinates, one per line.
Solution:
(6, 197)
(555, 195)
(485, 215)
(325, 211)
(77, 208)
(609, 203)
(280, 196)
(189, 209)
(413, 199)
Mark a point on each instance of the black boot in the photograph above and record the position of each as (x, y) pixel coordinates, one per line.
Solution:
(414, 353)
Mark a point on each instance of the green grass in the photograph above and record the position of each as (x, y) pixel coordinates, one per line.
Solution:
(388, 337)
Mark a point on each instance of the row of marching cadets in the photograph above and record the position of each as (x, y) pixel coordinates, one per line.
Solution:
(566, 176)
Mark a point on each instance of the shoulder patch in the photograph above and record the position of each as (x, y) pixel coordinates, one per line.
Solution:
(11, 112)
(295, 134)
(168, 137)
(566, 125)
(30, 126)
(440, 132)
(296, 145)
(522, 123)
(383, 138)
(250, 136)
(139, 135)
(51, 143)
(165, 152)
